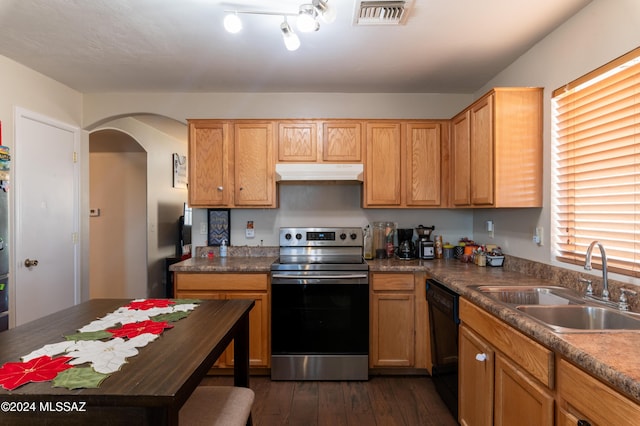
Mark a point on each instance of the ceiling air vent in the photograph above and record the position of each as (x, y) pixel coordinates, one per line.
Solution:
(381, 12)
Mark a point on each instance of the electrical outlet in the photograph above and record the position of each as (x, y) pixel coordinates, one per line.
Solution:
(537, 236)
(250, 231)
(490, 228)
(203, 229)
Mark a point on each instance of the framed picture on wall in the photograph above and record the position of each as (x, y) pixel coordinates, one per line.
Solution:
(179, 171)
(219, 229)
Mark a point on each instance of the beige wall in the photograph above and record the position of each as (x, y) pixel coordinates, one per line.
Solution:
(599, 33)
(118, 243)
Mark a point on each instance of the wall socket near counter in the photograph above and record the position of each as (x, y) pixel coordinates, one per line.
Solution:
(537, 235)
(490, 228)
(250, 230)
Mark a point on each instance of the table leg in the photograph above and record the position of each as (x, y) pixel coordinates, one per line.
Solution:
(241, 353)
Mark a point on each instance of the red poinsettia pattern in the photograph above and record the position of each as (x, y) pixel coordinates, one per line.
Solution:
(41, 369)
(146, 304)
(137, 328)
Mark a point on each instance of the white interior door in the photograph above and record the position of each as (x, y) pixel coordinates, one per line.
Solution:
(46, 216)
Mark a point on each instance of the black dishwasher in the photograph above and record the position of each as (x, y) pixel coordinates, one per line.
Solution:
(444, 321)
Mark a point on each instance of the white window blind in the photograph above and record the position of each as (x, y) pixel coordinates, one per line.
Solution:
(596, 122)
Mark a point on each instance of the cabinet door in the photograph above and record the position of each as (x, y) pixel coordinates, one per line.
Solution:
(342, 142)
(209, 157)
(393, 330)
(461, 149)
(297, 142)
(519, 399)
(254, 170)
(383, 165)
(259, 336)
(475, 380)
(482, 187)
(587, 398)
(423, 171)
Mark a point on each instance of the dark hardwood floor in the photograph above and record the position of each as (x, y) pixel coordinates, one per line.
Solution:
(381, 401)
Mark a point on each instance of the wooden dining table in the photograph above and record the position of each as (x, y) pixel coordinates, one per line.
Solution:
(149, 388)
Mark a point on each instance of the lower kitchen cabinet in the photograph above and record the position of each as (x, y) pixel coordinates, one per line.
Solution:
(235, 286)
(582, 398)
(399, 321)
(519, 399)
(505, 378)
(475, 379)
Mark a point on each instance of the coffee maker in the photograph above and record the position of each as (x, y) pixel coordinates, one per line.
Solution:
(406, 249)
(424, 245)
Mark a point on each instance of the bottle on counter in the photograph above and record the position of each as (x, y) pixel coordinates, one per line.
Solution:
(438, 246)
(368, 243)
(223, 248)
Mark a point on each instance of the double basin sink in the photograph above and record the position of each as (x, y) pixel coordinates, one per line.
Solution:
(561, 309)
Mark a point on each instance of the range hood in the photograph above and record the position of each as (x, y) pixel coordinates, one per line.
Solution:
(319, 172)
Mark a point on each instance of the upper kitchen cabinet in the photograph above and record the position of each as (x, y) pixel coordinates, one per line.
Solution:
(209, 164)
(424, 164)
(497, 150)
(254, 173)
(404, 163)
(231, 164)
(314, 141)
(383, 166)
(342, 141)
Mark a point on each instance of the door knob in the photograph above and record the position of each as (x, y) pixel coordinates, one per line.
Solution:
(29, 263)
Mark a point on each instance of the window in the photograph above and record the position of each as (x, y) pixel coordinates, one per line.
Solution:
(596, 163)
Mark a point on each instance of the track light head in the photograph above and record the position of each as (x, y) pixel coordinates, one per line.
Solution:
(307, 21)
(232, 23)
(291, 40)
(326, 12)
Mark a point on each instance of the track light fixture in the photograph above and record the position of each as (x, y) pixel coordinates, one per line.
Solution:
(306, 20)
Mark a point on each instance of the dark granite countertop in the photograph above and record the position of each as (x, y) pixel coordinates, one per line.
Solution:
(225, 264)
(613, 357)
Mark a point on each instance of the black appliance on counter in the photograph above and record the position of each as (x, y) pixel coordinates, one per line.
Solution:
(424, 245)
(320, 306)
(406, 249)
(444, 321)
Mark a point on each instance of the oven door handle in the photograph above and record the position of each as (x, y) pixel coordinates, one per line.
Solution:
(302, 276)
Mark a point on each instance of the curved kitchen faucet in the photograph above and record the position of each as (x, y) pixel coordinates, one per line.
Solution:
(587, 266)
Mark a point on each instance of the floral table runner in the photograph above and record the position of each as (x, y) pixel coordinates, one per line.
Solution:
(86, 358)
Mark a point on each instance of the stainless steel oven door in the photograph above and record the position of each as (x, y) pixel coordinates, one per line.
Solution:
(319, 321)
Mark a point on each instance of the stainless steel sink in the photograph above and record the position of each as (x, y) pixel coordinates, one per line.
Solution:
(582, 318)
(531, 295)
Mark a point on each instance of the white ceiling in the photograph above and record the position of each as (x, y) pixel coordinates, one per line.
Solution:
(446, 46)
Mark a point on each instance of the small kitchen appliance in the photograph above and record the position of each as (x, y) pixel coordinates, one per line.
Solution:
(406, 249)
(424, 245)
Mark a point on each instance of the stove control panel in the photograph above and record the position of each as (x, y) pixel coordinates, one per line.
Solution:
(323, 237)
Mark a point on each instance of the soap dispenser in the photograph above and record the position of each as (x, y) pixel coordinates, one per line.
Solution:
(223, 248)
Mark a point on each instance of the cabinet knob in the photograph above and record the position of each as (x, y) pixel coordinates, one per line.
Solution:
(220, 188)
(481, 357)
